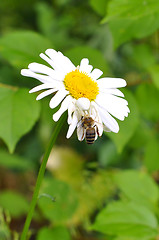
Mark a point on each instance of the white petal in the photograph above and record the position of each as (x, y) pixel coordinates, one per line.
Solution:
(71, 109)
(47, 59)
(41, 87)
(111, 83)
(84, 62)
(59, 96)
(96, 73)
(45, 93)
(63, 108)
(72, 126)
(81, 133)
(113, 91)
(24, 72)
(40, 68)
(114, 105)
(96, 136)
(60, 62)
(106, 129)
(41, 78)
(108, 120)
(84, 66)
(93, 111)
(56, 63)
(83, 103)
(69, 66)
(54, 84)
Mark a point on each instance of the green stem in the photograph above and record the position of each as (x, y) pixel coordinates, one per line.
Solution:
(40, 178)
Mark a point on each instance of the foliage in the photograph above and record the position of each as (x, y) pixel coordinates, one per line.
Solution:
(14, 103)
(132, 19)
(135, 215)
(105, 191)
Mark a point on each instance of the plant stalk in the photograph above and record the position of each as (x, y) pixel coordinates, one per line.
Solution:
(40, 178)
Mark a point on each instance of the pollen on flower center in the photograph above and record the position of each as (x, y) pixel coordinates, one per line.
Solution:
(79, 84)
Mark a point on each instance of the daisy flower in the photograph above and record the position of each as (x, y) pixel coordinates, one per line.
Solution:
(81, 92)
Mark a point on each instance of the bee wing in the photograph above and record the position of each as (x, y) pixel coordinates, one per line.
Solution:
(79, 123)
(81, 132)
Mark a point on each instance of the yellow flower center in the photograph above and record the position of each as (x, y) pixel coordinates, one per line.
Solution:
(79, 84)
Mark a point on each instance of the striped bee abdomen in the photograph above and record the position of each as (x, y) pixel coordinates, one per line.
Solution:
(90, 135)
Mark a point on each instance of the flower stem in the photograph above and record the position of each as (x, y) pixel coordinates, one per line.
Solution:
(40, 178)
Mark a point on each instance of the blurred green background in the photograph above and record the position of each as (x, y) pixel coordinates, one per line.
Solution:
(102, 192)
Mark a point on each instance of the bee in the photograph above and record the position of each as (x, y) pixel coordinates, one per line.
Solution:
(89, 129)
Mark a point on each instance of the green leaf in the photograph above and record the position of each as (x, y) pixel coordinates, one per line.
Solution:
(148, 101)
(131, 9)
(143, 56)
(141, 136)
(151, 156)
(126, 219)
(45, 18)
(5, 232)
(108, 154)
(57, 233)
(128, 126)
(95, 57)
(20, 112)
(22, 47)
(124, 30)
(65, 202)
(15, 203)
(138, 187)
(132, 19)
(154, 71)
(99, 6)
(14, 161)
(130, 238)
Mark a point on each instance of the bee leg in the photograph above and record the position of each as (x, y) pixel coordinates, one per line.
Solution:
(97, 131)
